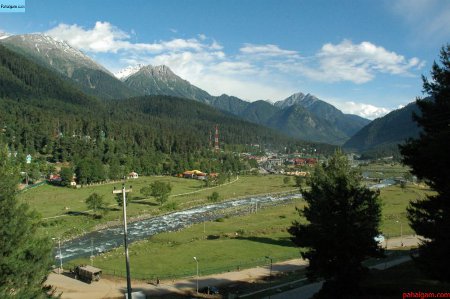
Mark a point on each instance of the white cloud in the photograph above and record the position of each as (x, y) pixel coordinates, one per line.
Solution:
(257, 71)
(106, 38)
(357, 63)
(267, 50)
(361, 109)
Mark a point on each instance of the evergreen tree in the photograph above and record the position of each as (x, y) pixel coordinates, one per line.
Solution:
(25, 258)
(343, 218)
(428, 156)
(66, 174)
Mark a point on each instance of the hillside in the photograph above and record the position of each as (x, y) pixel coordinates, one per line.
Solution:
(385, 133)
(47, 117)
(299, 122)
(70, 63)
(160, 80)
(348, 124)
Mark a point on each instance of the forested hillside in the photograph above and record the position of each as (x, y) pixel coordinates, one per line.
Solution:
(47, 117)
(383, 135)
(70, 64)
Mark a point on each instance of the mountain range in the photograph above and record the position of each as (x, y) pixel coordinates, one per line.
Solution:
(302, 116)
(47, 116)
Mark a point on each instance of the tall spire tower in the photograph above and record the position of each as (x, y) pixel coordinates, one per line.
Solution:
(216, 139)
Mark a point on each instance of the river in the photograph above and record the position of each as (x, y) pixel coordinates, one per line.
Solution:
(106, 239)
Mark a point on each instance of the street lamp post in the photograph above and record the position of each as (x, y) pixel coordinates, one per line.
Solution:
(60, 255)
(124, 191)
(195, 258)
(271, 262)
(401, 232)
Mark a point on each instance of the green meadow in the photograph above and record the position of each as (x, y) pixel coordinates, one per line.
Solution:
(237, 242)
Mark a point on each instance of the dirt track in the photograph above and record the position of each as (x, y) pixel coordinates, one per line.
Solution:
(115, 288)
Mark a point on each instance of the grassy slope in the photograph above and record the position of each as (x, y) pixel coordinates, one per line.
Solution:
(259, 235)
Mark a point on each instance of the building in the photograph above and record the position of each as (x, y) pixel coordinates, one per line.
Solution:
(194, 174)
(133, 175)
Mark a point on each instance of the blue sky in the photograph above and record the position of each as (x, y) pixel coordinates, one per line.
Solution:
(365, 57)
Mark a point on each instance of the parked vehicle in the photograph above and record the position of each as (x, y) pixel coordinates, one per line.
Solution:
(210, 290)
(87, 273)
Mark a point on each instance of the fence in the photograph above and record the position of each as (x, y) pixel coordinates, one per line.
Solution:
(34, 186)
(204, 270)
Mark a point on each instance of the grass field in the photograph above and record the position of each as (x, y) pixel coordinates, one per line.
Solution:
(69, 209)
(383, 170)
(241, 242)
(220, 246)
(395, 200)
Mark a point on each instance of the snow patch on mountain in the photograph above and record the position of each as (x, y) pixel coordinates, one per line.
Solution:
(297, 98)
(128, 71)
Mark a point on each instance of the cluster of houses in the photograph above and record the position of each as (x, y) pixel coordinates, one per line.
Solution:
(56, 178)
(278, 163)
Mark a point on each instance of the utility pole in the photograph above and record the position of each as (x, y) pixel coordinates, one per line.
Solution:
(92, 252)
(60, 255)
(124, 191)
(271, 262)
(196, 260)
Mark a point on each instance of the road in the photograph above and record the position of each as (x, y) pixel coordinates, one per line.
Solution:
(115, 288)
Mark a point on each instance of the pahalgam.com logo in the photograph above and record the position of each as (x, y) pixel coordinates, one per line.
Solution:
(16, 6)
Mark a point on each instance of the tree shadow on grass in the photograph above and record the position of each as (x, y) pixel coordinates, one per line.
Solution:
(77, 213)
(278, 241)
(144, 202)
(115, 209)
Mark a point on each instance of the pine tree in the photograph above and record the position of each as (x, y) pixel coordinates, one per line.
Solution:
(342, 220)
(428, 156)
(25, 258)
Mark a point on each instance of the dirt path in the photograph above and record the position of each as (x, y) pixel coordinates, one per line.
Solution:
(115, 288)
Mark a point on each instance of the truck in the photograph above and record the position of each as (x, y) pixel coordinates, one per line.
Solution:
(87, 273)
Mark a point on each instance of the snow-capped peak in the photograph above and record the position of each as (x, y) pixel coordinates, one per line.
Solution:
(128, 71)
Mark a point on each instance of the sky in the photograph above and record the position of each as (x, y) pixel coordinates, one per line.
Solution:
(365, 57)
